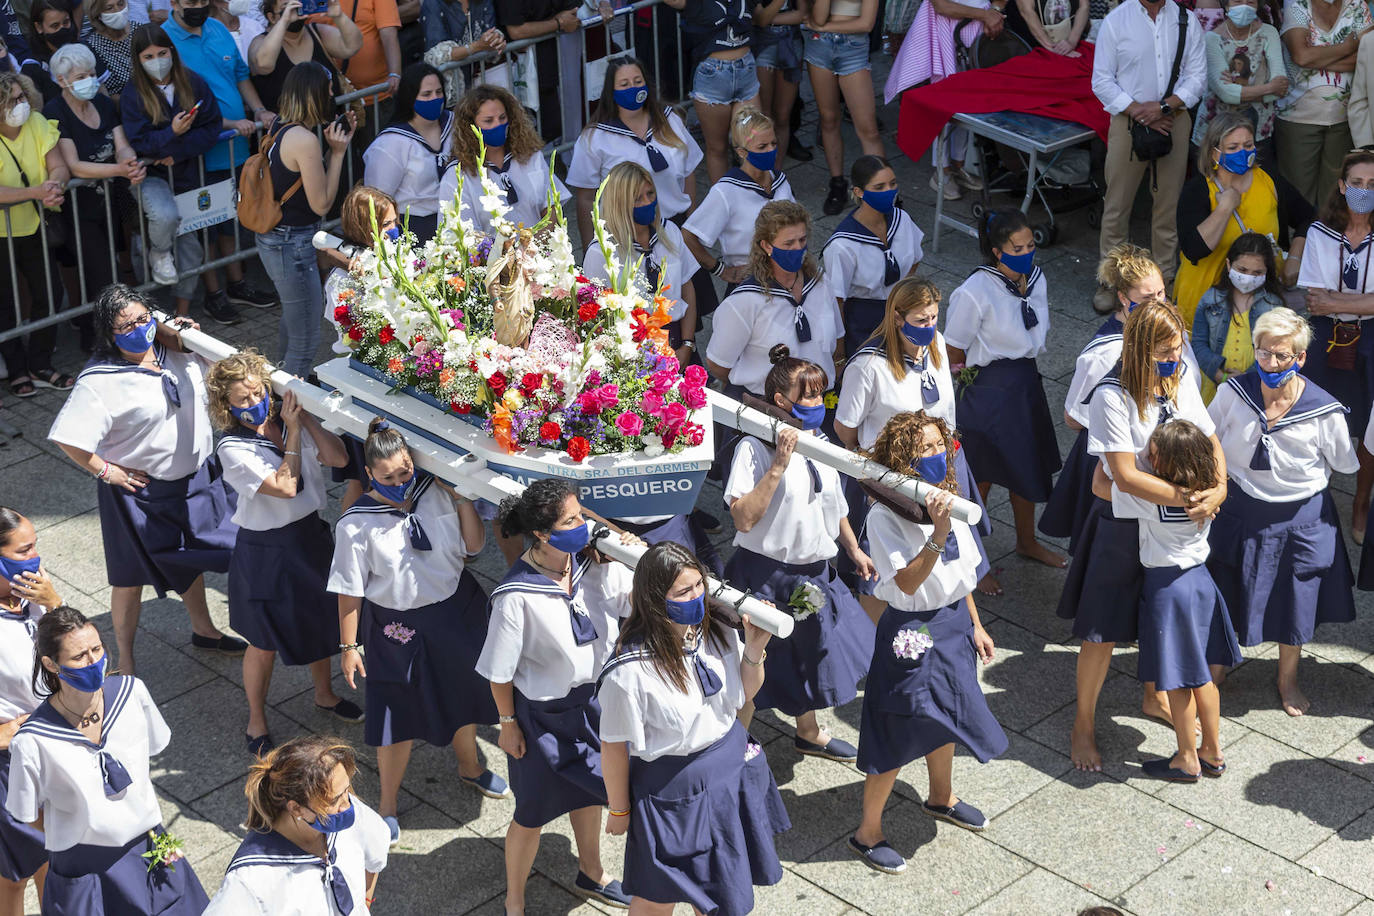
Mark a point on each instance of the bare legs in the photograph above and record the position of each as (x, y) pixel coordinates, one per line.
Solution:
(1205, 701)
(1364, 484)
(126, 602)
(12, 892)
(257, 677)
(1093, 661)
(715, 130)
(878, 787)
(393, 759)
(1294, 701)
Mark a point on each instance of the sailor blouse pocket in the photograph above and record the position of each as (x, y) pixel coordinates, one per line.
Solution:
(391, 649)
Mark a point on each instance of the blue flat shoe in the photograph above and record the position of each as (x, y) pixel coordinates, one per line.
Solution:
(489, 784)
(1212, 770)
(962, 814)
(260, 745)
(610, 893)
(393, 827)
(1160, 769)
(879, 857)
(834, 749)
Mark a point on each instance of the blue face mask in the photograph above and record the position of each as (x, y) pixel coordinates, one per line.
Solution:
(139, 339)
(920, 336)
(1019, 263)
(13, 569)
(1241, 15)
(932, 468)
(764, 161)
(392, 232)
(430, 109)
(688, 613)
(569, 540)
(1166, 368)
(255, 415)
(631, 98)
(882, 201)
(1239, 161)
(789, 259)
(88, 679)
(495, 136)
(333, 823)
(644, 215)
(395, 492)
(1277, 379)
(1359, 200)
(810, 417)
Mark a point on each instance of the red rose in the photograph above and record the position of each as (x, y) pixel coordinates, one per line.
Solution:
(581, 279)
(549, 431)
(530, 383)
(355, 333)
(578, 448)
(463, 408)
(587, 312)
(497, 381)
(386, 335)
(341, 314)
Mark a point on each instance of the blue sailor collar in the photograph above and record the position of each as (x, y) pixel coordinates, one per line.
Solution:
(47, 722)
(850, 228)
(445, 134)
(272, 848)
(1110, 328)
(1011, 287)
(243, 436)
(617, 126)
(879, 348)
(737, 177)
(1312, 403)
(751, 285)
(113, 365)
(525, 578)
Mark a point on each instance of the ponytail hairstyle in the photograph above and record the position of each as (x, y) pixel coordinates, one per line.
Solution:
(648, 625)
(776, 216)
(538, 508)
(788, 370)
(1182, 454)
(864, 168)
(908, 294)
(300, 771)
(899, 445)
(1125, 267)
(383, 441)
(996, 229)
(1150, 325)
(607, 110)
(747, 122)
(10, 520)
(53, 627)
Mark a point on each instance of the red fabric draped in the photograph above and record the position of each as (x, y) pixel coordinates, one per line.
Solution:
(1041, 83)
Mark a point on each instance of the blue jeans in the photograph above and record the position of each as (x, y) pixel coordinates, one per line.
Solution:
(723, 82)
(163, 221)
(840, 54)
(288, 256)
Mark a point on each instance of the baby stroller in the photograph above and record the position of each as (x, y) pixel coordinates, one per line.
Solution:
(1070, 179)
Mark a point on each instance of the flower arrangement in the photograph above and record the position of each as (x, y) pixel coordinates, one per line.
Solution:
(167, 850)
(911, 644)
(506, 330)
(806, 600)
(398, 632)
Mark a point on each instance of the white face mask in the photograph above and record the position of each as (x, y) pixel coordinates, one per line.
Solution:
(18, 115)
(158, 67)
(116, 20)
(86, 88)
(241, 7)
(1246, 283)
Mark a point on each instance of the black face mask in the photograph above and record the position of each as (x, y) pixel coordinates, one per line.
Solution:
(195, 16)
(296, 26)
(64, 36)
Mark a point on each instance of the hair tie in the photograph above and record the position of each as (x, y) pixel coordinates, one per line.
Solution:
(383, 425)
(990, 215)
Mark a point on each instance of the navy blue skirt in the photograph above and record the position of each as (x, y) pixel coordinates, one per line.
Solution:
(702, 826)
(169, 533)
(681, 529)
(356, 469)
(1005, 423)
(115, 881)
(1184, 628)
(1352, 387)
(21, 845)
(421, 677)
(820, 665)
(1102, 590)
(277, 595)
(912, 707)
(1068, 506)
(861, 319)
(561, 769)
(1281, 567)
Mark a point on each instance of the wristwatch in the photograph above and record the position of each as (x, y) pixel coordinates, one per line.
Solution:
(690, 344)
(1165, 108)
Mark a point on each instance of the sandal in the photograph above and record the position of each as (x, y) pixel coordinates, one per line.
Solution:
(22, 387)
(51, 378)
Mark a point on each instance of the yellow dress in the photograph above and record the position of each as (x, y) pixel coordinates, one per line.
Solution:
(1238, 351)
(1258, 212)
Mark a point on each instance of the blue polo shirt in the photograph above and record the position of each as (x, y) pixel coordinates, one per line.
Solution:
(214, 56)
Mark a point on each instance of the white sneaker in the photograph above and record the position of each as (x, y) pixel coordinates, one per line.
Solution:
(964, 180)
(164, 268)
(952, 191)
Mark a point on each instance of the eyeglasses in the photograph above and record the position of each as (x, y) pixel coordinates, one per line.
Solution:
(1282, 359)
(138, 322)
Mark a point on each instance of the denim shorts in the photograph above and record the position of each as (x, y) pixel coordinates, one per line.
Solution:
(840, 54)
(724, 82)
(766, 54)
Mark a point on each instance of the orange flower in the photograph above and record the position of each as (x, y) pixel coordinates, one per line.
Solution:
(395, 366)
(458, 284)
(501, 428)
(656, 324)
(345, 294)
(445, 377)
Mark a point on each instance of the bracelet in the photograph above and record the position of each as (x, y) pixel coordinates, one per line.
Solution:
(719, 269)
(690, 344)
(934, 546)
(505, 720)
(292, 452)
(755, 664)
(625, 813)
(104, 472)
(397, 75)
(355, 646)
(259, 110)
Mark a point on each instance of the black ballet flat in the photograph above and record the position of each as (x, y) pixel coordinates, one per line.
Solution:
(261, 745)
(225, 645)
(1160, 769)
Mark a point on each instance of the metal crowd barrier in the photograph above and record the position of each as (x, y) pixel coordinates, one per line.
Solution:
(626, 21)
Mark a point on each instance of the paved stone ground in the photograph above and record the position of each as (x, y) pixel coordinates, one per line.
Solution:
(1287, 830)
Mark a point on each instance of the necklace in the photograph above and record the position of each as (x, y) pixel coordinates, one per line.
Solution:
(689, 639)
(90, 718)
(553, 572)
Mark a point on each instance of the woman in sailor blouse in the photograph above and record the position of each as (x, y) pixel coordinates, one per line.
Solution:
(26, 593)
(271, 453)
(412, 617)
(1277, 552)
(995, 328)
(553, 620)
(313, 848)
(409, 156)
(81, 763)
(514, 160)
(638, 236)
(872, 248)
(137, 421)
(683, 779)
(922, 695)
(785, 299)
(728, 211)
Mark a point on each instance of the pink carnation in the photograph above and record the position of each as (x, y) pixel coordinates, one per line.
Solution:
(695, 433)
(694, 377)
(629, 424)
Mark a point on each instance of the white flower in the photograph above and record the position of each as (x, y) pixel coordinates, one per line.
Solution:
(653, 445)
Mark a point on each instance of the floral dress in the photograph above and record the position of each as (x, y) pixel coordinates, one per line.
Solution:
(1320, 96)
